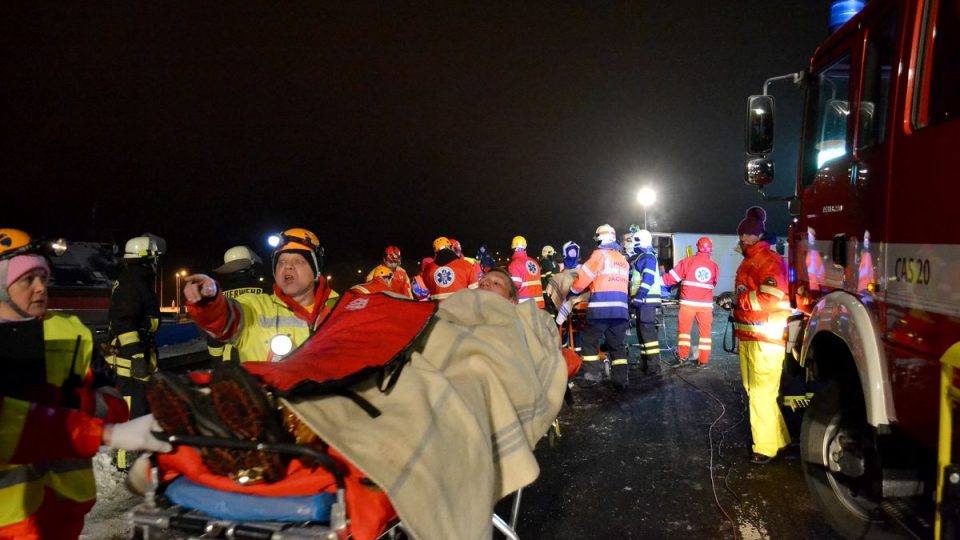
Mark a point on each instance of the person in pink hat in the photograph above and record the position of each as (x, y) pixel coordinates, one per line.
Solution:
(53, 418)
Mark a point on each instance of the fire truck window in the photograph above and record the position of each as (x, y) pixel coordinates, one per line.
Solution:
(945, 67)
(826, 122)
(877, 72)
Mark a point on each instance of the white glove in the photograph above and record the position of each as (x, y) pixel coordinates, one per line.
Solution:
(135, 435)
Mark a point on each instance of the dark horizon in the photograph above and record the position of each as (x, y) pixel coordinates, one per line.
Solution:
(376, 125)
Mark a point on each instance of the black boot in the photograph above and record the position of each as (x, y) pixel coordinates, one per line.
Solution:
(654, 365)
(619, 376)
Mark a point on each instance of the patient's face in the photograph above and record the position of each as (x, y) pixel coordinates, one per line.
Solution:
(496, 283)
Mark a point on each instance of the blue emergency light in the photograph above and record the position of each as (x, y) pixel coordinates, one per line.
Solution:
(842, 11)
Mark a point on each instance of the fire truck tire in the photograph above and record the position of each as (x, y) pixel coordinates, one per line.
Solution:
(847, 512)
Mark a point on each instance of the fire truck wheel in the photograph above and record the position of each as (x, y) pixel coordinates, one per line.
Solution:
(834, 427)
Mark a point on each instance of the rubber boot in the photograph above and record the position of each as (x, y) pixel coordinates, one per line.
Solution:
(619, 376)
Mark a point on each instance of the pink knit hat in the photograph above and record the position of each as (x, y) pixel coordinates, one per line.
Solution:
(21, 264)
(754, 223)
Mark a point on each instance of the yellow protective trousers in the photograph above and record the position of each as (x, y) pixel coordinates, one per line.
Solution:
(761, 365)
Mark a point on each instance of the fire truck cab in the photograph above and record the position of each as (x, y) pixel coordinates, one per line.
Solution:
(875, 265)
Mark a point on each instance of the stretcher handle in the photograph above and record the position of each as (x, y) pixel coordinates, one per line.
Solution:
(321, 458)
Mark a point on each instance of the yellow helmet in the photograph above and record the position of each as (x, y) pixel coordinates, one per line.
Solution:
(442, 243)
(301, 240)
(382, 272)
(518, 242)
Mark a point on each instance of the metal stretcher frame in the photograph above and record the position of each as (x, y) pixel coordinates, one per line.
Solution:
(150, 516)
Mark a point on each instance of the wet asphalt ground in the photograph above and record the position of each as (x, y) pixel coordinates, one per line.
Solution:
(667, 458)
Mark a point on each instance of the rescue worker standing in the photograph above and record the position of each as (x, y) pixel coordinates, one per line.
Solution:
(645, 291)
(134, 318)
(760, 311)
(240, 274)
(400, 280)
(548, 266)
(485, 259)
(265, 327)
(447, 273)
(607, 274)
(697, 276)
(525, 273)
(52, 427)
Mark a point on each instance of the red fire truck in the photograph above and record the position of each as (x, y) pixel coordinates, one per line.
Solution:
(875, 266)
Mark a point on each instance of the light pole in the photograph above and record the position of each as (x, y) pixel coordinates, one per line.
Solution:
(178, 275)
(646, 197)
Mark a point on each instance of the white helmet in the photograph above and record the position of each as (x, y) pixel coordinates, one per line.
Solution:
(141, 247)
(605, 234)
(643, 238)
(238, 258)
(548, 251)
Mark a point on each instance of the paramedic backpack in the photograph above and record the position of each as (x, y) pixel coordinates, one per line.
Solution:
(365, 335)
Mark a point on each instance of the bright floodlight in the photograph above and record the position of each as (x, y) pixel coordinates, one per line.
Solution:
(273, 240)
(646, 197)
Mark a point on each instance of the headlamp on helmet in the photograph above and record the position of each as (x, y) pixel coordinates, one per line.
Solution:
(302, 241)
(15, 242)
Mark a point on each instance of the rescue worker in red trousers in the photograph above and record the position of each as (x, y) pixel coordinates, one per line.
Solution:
(51, 427)
(241, 273)
(134, 320)
(607, 274)
(760, 310)
(265, 327)
(400, 281)
(697, 276)
(645, 292)
(525, 273)
(447, 273)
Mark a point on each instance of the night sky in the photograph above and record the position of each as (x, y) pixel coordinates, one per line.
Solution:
(374, 123)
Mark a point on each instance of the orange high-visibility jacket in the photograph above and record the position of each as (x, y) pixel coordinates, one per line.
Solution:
(762, 305)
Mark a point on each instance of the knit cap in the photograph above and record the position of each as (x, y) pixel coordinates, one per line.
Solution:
(754, 223)
(18, 266)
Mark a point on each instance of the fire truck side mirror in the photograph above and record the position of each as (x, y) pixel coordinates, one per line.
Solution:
(759, 172)
(759, 125)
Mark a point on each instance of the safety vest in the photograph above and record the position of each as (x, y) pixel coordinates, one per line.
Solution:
(22, 486)
(525, 273)
(607, 274)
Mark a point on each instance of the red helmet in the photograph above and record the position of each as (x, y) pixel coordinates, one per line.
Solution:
(705, 245)
(455, 246)
(392, 254)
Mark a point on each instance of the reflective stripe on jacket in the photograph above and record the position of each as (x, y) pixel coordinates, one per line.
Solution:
(644, 278)
(697, 276)
(762, 306)
(525, 273)
(399, 283)
(606, 273)
(252, 320)
(43, 445)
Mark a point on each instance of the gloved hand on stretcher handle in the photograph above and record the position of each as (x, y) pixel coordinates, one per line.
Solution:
(136, 435)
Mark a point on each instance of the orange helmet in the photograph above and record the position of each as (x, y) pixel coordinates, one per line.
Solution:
(441, 242)
(392, 254)
(705, 245)
(14, 242)
(303, 242)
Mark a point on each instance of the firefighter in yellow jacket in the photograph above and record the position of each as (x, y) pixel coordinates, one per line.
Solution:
(52, 418)
(265, 327)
